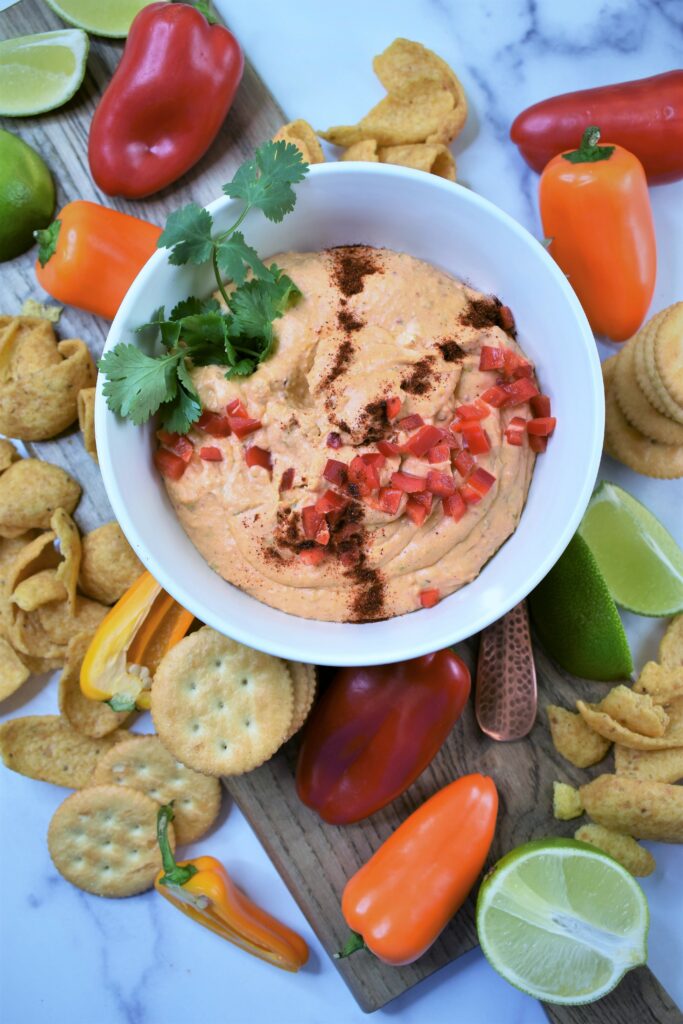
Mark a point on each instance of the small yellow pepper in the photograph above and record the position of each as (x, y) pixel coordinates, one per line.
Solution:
(129, 644)
(204, 891)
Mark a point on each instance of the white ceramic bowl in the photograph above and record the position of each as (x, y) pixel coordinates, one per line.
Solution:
(457, 230)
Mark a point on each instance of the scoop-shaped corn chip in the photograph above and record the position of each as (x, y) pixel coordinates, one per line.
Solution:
(41, 588)
(301, 134)
(365, 151)
(13, 672)
(31, 558)
(611, 729)
(30, 491)
(31, 307)
(8, 454)
(434, 159)
(662, 682)
(85, 403)
(638, 807)
(45, 747)
(574, 739)
(636, 711)
(566, 802)
(9, 549)
(39, 385)
(630, 854)
(671, 647)
(656, 765)
(61, 625)
(69, 541)
(89, 717)
(109, 566)
(413, 114)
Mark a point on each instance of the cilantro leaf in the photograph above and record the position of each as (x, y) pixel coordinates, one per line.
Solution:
(188, 235)
(192, 306)
(138, 384)
(149, 333)
(244, 368)
(234, 258)
(179, 414)
(256, 304)
(205, 336)
(266, 181)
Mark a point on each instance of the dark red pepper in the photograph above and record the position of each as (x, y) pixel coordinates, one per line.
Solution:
(375, 730)
(166, 102)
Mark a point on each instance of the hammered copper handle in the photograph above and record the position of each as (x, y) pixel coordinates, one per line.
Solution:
(506, 696)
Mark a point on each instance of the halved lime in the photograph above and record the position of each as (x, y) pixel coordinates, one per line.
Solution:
(641, 562)
(41, 72)
(111, 18)
(577, 620)
(562, 921)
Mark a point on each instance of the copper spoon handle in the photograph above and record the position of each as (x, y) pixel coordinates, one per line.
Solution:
(506, 696)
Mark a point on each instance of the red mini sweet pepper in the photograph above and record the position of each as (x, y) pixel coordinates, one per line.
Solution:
(166, 102)
(375, 730)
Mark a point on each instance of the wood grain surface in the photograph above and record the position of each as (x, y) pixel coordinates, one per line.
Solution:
(314, 859)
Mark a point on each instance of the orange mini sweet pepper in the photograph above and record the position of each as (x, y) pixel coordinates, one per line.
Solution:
(203, 890)
(130, 642)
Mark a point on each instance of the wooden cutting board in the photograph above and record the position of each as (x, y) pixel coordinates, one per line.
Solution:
(315, 860)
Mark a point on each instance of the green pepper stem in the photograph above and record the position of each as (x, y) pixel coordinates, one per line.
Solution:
(354, 942)
(589, 152)
(173, 873)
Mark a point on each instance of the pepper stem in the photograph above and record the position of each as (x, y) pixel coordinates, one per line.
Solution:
(354, 942)
(589, 152)
(173, 874)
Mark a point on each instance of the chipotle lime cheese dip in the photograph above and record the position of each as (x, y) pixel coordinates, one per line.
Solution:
(372, 465)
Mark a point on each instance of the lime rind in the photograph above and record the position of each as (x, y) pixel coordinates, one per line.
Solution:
(110, 19)
(43, 84)
(639, 559)
(542, 933)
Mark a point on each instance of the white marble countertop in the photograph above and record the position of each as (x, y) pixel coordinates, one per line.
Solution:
(67, 956)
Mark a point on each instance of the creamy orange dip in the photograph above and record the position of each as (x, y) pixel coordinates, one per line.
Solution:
(373, 330)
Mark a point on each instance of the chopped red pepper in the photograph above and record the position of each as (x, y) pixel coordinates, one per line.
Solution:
(334, 440)
(481, 480)
(363, 475)
(476, 410)
(389, 499)
(441, 484)
(515, 366)
(495, 396)
(287, 479)
(168, 464)
(515, 431)
(426, 437)
(312, 556)
(506, 318)
(375, 459)
(255, 456)
(429, 597)
(463, 462)
(388, 448)
(177, 443)
(335, 472)
(519, 391)
(540, 405)
(475, 437)
(470, 494)
(243, 425)
(311, 520)
(323, 534)
(454, 506)
(424, 498)
(411, 422)
(214, 424)
(330, 501)
(538, 444)
(416, 511)
(491, 358)
(407, 482)
(237, 408)
(211, 454)
(542, 426)
(393, 407)
(439, 453)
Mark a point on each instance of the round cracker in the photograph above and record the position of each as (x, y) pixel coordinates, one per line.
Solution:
(103, 839)
(304, 683)
(624, 443)
(648, 375)
(671, 646)
(220, 707)
(667, 346)
(143, 763)
(634, 404)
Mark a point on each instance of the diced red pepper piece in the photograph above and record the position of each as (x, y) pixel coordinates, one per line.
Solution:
(393, 407)
(481, 480)
(476, 410)
(540, 405)
(335, 472)
(177, 443)
(237, 408)
(506, 318)
(491, 358)
(312, 556)
(470, 494)
(311, 520)
(213, 424)
(334, 440)
(388, 448)
(429, 597)
(426, 437)
(495, 396)
(375, 459)
(424, 498)
(475, 437)
(411, 422)
(255, 456)
(363, 475)
(454, 506)
(542, 426)
(464, 463)
(453, 442)
(441, 484)
(389, 499)
(515, 366)
(330, 501)
(211, 454)
(515, 431)
(242, 426)
(416, 511)
(407, 482)
(168, 464)
(538, 444)
(323, 534)
(439, 453)
(287, 479)
(519, 391)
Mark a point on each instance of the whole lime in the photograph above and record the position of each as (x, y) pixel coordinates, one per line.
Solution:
(27, 195)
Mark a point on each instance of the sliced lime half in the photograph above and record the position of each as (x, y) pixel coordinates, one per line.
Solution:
(111, 18)
(41, 72)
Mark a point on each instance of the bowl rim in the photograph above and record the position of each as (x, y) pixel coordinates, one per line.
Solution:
(400, 650)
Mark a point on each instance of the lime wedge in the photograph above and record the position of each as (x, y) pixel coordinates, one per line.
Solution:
(562, 921)
(111, 18)
(577, 620)
(641, 562)
(41, 72)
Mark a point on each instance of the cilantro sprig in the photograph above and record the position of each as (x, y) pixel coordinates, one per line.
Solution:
(200, 332)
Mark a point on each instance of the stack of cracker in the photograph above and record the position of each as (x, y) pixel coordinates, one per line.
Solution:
(644, 398)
